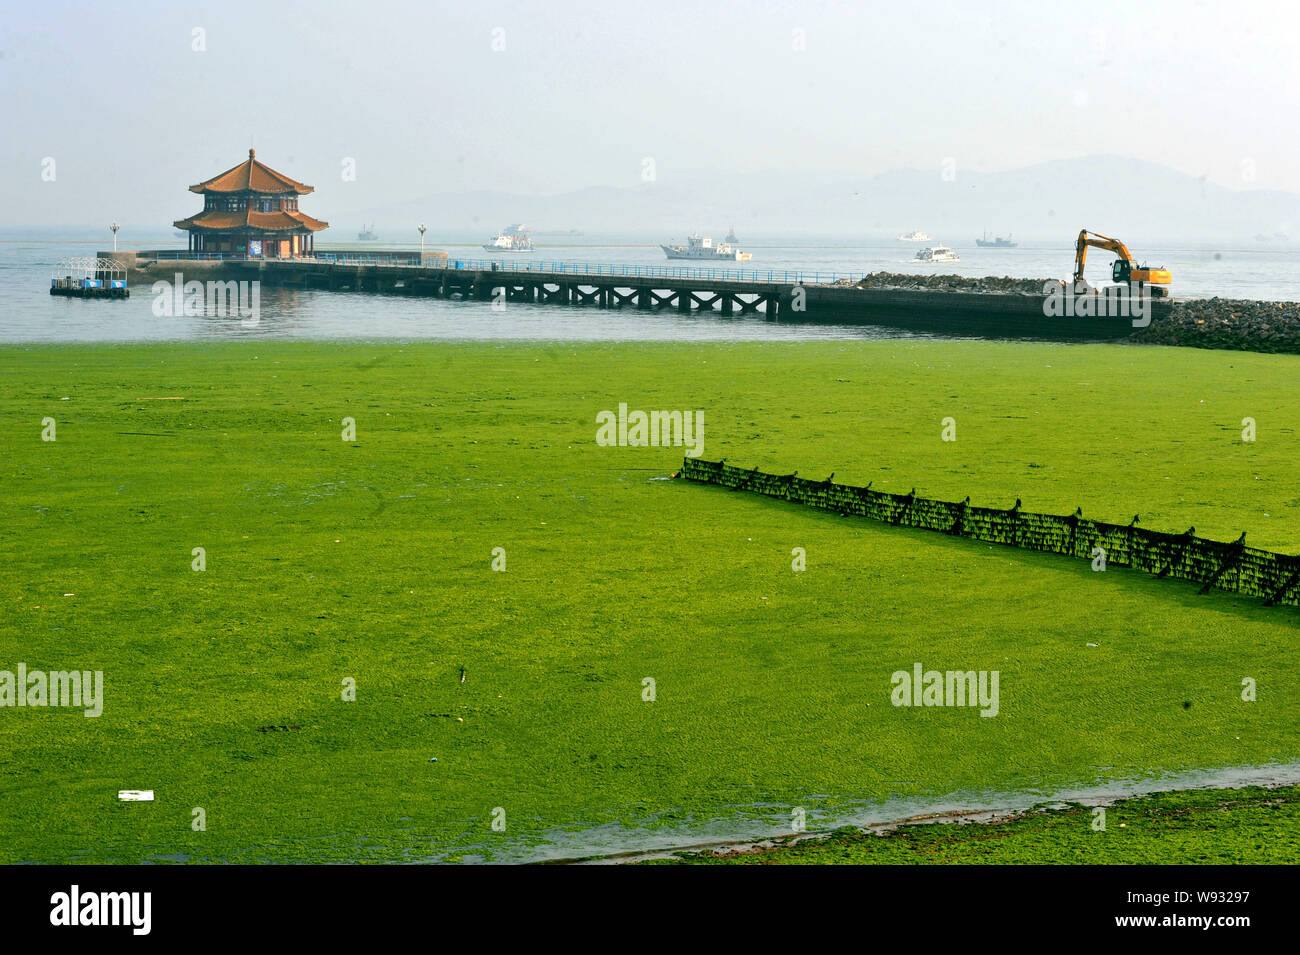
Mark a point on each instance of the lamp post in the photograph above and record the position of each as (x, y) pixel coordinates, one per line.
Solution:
(421, 228)
(113, 229)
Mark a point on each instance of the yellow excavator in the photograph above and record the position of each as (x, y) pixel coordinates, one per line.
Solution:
(1125, 268)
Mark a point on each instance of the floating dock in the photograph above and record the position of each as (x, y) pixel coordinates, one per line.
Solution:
(93, 277)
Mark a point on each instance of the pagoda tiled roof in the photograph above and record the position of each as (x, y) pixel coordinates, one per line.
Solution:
(278, 221)
(252, 176)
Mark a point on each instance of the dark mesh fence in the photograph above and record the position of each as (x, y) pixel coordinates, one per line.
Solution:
(1226, 566)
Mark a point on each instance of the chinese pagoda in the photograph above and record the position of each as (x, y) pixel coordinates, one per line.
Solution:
(252, 210)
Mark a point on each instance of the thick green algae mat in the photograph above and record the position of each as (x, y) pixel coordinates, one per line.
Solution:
(329, 561)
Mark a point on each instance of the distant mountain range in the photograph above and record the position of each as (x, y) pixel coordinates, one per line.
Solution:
(1128, 198)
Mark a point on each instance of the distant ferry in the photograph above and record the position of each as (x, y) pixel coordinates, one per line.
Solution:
(938, 253)
(702, 247)
(915, 237)
(368, 235)
(996, 243)
(513, 238)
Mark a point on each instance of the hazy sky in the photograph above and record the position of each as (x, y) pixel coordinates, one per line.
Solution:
(418, 96)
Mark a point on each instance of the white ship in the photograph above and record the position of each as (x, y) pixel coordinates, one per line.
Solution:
(915, 237)
(513, 238)
(702, 247)
(938, 253)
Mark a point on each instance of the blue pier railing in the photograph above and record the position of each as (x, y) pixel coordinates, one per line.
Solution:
(576, 269)
(169, 255)
(599, 269)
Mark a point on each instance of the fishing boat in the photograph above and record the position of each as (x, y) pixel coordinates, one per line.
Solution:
(996, 243)
(368, 234)
(701, 247)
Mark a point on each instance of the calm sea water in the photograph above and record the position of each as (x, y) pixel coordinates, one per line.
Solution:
(28, 313)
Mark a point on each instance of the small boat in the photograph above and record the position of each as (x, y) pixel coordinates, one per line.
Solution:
(701, 247)
(368, 234)
(996, 243)
(915, 237)
(513, 238)
(937, 253)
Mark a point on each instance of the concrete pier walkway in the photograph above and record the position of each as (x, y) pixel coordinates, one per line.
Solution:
(776, 295)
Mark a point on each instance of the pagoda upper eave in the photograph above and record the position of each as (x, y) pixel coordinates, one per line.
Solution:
(252, 176)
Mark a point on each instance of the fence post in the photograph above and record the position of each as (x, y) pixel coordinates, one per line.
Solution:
(911, 498)
(959, 525)
(1073, 521)
(1230, 560)
(1290, 582)
(1175, 557)
(788, 481)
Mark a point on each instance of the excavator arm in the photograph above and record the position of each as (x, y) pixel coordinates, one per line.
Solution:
(1125, 270)
(1097, 241)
